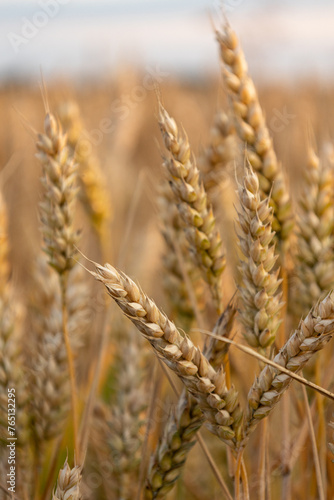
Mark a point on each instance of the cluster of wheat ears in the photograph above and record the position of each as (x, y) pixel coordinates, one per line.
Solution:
(279, 313)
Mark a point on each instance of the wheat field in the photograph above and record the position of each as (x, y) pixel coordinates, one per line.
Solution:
(166, 283)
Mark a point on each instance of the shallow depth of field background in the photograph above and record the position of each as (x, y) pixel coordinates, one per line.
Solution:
(102, 53)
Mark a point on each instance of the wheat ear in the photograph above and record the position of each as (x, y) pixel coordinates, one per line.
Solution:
(57, 208)
(68, 483)
(220, 152)
(119, 425)
(261, 301)
(93, 193)
(315, 242)
(218, 403)
(49, 377)
(57, 214)
(180, 433)
(196, 213)
(312, 334)
(252, 130)
(174, 285)
(170, 456)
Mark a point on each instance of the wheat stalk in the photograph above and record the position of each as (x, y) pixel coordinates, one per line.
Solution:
(4, 244)
(60, 237)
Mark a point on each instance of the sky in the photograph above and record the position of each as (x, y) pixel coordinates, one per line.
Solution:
(86, 38)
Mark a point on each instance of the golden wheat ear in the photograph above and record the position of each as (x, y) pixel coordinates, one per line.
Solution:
(261, 300)
(251, 128)
(57, 208)
(192, 203)
(93, 193)
(315, 237)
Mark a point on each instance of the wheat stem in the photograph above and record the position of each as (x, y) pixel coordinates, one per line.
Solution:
(71, 369)
(314, 447)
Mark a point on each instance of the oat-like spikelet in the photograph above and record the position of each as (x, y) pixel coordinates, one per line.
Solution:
(196, 213)
(252, 130)
(259, 283)
(315, 243)
(170, 456)
(174, 285)
(93, 193)
(57, 208)
(68, 483)
(312, 334)
(220, 153)
(49, 388)
(4, 246)
(218, 403)
(119, 426)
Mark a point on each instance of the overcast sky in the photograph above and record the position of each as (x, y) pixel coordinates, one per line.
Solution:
(292, 38)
